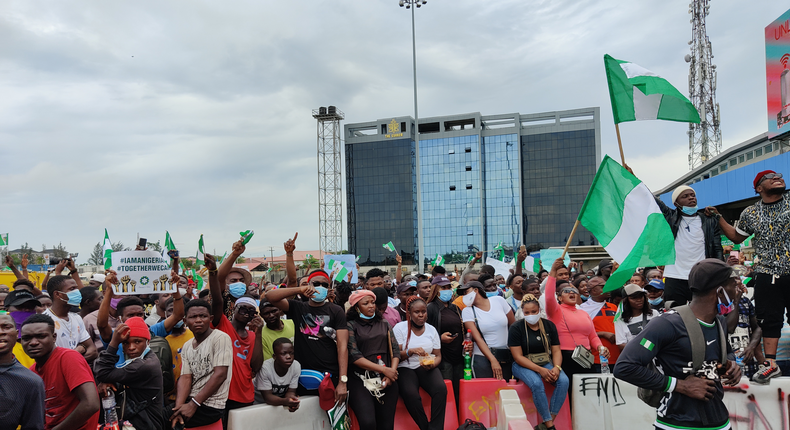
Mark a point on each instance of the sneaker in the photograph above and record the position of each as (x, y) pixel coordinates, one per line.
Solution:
(765, 373)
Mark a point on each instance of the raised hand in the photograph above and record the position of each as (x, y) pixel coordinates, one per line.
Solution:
(211, 262)
(24, 261)
(9, 261)
(238, 247)
(398, 259)
(290, 244)
(522, 254)
(70, 265)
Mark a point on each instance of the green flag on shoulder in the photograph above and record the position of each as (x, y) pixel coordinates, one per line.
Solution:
(621, 212)
(639, 94)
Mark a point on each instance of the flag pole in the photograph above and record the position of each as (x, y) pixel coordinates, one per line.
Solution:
(619, 143)
(570, 238)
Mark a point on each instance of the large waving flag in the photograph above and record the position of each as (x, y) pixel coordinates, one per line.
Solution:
(107, 247)
(639, 94)
(623, 215)
(200, 257)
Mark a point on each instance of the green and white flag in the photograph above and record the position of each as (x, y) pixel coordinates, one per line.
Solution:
(169, 246)
(531, 263)
(308, 256)
(200, 257)
(639, 94)
(269, 269)
(246, 236)
(221, 259)
(4, 239)
(341, 275)
(438, 261)
(499, 247)
(623, 215)
(107, 247)
(389, 246)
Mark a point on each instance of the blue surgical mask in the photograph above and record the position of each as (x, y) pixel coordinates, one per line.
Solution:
(491, 293)
(320, 294)
(365, 317)
(689, 210)
(657, 301)
(585, 298)
(237, 289)
(179, 324)
(445, 295)
(501, 286)
(75, 297)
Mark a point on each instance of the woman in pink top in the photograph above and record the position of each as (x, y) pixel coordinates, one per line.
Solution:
(574, 326)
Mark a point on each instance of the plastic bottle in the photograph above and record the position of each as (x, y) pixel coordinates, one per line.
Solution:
(467, 356)
(605, 366)
(110, 416)
(739, 361)
(380, 362)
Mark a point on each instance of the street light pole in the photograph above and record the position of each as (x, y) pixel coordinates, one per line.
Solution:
(420, 237)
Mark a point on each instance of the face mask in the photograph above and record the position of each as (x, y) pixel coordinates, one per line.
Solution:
(689, 210)
(74, 297)
(492, 293)
(179, 324)
(365, 317)
(320, 294)
(657, 301)
(501, 286)
(725, 309)
(532, 319)
(585, 298)
(114, 303)
(20, 317)
(445, 295)
(469, 298)
(237, 289)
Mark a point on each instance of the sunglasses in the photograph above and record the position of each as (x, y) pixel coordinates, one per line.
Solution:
(569, 291)
(246, 310)
(321, 284)
(770, 176)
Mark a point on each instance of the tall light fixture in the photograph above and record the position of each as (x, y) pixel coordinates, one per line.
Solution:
(420, 237)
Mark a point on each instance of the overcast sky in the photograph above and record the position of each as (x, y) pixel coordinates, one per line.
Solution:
(195, 117)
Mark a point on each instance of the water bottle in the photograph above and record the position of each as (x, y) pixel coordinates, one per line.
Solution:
(380, 362)
(605, 366)
(110, 416)
(739, 361)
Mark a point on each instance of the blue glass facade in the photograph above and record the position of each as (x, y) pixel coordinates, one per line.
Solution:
(502, 194)
(451, 212)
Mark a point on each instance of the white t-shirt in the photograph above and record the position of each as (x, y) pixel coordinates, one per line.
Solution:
(268, 379)
(493, 324)
(591, 307)
(71, 332)
(689, 247)
(624, 332)
(428, 341)
(215, 351)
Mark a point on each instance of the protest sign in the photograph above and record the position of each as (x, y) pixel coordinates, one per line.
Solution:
(349, 261)
(500, 267)
(548, 256)
(142, 272)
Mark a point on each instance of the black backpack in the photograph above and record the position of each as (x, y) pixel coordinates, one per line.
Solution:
(161, 348)
(471, 425)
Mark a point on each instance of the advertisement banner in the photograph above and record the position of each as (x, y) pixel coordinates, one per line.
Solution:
(777, 56)
(142, 272)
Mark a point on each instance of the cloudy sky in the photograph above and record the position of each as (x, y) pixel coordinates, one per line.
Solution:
(195, 117)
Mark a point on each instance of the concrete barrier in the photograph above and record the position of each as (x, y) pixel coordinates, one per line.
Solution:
(309, 416)
(602, 402)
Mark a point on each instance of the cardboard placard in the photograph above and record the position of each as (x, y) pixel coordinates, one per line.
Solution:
(348, 260)
(141, 272)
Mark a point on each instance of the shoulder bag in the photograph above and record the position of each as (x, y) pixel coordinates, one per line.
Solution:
(541, 358)
(581, 355)
(502, 355)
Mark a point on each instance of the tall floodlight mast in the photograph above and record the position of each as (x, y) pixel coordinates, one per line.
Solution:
(705, 137)
(330, 203)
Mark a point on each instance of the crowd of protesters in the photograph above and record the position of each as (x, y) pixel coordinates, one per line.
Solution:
(188, 358)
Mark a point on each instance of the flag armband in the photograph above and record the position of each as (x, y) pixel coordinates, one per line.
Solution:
(671, 384)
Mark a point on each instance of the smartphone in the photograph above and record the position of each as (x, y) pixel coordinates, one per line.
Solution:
(735, 254)
(142, 242)
(454, 335)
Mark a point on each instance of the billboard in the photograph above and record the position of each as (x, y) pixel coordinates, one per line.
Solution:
(777, 71)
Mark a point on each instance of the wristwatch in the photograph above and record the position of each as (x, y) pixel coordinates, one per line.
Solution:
(344, 379)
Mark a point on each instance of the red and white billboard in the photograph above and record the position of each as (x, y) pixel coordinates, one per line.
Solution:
(777, 71)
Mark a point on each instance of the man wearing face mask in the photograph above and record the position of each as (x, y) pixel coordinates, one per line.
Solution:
(692, 396)
(655, 294)
(697, 236)
(321, 337)
(69, 327)
(446, 318)
(20, 305)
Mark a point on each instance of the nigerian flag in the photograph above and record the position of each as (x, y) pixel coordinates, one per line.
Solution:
(389, 246)
(639, 94)
(438, 261)
(531, 263)
(341, 274)
(200, 257)
(623, 215)
(4, 239)
(169, 246)
(107, 247)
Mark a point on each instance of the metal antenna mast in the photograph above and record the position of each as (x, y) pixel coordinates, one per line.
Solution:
(705, 137)
(330, 203)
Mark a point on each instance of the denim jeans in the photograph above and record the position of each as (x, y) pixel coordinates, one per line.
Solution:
(535, 384)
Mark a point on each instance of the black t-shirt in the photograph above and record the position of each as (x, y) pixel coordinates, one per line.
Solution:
(451, 322)
(315, 334)
(530, 340)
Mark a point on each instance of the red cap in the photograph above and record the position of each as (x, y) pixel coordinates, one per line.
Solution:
(760, 176)
(326, 394)
(138, 328)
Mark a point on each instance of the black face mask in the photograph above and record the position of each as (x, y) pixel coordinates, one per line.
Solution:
(417, 326)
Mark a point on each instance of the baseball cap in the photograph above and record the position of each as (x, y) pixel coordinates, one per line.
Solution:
(403, 286)
(633, 289)
(708, 274)
(657, 284)
(20, 297)
(760, 176)
(440, 280)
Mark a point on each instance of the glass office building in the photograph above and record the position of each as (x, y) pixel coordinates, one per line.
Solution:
(487, 183)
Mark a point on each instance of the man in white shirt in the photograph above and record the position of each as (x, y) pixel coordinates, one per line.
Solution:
(69, 327)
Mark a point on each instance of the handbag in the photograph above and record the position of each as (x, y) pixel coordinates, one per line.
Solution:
(502, 355)
(581, 355)
(541, 358)
(372, 381)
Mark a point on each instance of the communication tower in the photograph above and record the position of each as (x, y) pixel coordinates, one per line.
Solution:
(705, 137)
(330, 203)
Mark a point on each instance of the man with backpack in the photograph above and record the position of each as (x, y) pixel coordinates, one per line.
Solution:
(679, 360)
